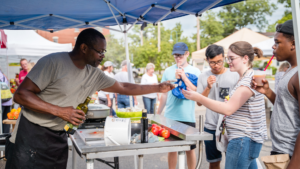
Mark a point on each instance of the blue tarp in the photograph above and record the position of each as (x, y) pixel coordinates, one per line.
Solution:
(36, 14)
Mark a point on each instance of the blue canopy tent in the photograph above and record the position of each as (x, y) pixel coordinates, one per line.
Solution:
(56, 15)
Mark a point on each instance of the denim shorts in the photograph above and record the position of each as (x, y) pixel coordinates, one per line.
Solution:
(241, 153)
(212, 153)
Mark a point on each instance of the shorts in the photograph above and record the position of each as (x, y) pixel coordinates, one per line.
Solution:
(212, 153)
(192, 125)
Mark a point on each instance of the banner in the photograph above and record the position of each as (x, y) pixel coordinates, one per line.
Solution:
(3, 39)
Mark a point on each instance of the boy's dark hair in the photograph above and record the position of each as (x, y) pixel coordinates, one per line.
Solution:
(288, 36)
(213, 50)
(89, 37)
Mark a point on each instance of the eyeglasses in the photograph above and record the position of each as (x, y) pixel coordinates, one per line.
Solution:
(229, 60)
(99, 53)
(220, 62)
(178, 56)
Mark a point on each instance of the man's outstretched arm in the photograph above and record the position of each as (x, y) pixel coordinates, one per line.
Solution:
(135, 89)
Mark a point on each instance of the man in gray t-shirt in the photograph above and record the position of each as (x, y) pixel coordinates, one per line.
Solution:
(51, 92)
(215, 84)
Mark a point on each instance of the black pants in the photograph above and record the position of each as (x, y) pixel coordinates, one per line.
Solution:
(276, 153)
(5, 110)
(37, 147)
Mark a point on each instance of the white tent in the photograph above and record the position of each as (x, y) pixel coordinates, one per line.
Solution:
(244, 34)
(266, 46)
(27, 44)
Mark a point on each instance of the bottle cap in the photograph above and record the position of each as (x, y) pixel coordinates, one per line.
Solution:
(144, 114)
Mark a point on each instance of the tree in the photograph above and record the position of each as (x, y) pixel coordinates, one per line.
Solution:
(239, 15)
(115, 50)
(211, 30)
(286, 16)
(149, 53)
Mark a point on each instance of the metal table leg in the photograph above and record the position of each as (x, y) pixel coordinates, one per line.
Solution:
(73, 157)
(135, 162)
(140, 161)
(90, 163)
(181, 160)
(116, 160)
(201, 143)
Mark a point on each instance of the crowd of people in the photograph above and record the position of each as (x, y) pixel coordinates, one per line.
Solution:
(49, 99)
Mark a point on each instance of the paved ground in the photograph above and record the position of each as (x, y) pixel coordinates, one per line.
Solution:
(156, 160)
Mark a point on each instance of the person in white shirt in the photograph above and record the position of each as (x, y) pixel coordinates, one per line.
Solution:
(150, 78)
(106, 97)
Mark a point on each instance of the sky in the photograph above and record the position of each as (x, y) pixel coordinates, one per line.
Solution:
(189, 22)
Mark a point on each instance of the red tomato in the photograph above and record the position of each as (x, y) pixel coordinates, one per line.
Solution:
(154, 125)
(155, 131)
(158, 127)
(159, 132)
(165, 134)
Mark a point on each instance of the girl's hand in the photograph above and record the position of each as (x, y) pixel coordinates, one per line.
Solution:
(191, 95)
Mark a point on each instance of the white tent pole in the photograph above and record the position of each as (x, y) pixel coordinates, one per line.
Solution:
(296, 25)
(108, 4)
(177, 10)
(177, 6)
(94, 25)
(129, 70)
(138, 18)
(115, 8)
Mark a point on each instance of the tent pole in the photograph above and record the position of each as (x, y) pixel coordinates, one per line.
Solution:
(177, 10)
(296, 25)
(163, 17)
(7, 73)
(138, 18)
(129, 69)
(108, 4)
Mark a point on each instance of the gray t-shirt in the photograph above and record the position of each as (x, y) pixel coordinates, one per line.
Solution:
(285, 120)
(123, 77)
(226, 83)
(62, 84)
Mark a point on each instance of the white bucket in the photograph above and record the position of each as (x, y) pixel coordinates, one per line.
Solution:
(117, 131)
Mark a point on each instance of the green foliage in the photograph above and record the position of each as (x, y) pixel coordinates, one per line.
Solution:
(226, 65)
(115, 50)
(286, 16)
(149, 51)
(239, 15)
(211, 30)
(216, 26)
(274, 70)
(256, 64)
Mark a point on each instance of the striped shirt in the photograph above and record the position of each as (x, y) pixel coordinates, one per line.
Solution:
(250, 119)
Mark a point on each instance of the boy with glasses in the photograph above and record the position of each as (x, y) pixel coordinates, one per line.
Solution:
(181, 110)
(215, 84)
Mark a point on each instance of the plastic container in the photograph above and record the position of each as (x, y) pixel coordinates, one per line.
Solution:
(117, 131)
(259, 76)
(131, 115)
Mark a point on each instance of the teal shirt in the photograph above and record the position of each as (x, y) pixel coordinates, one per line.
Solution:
(179, 109)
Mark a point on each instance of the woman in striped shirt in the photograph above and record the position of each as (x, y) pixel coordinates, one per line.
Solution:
(245, 111)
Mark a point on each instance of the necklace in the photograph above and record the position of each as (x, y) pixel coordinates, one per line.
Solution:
(244, 74)
(219, 77)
